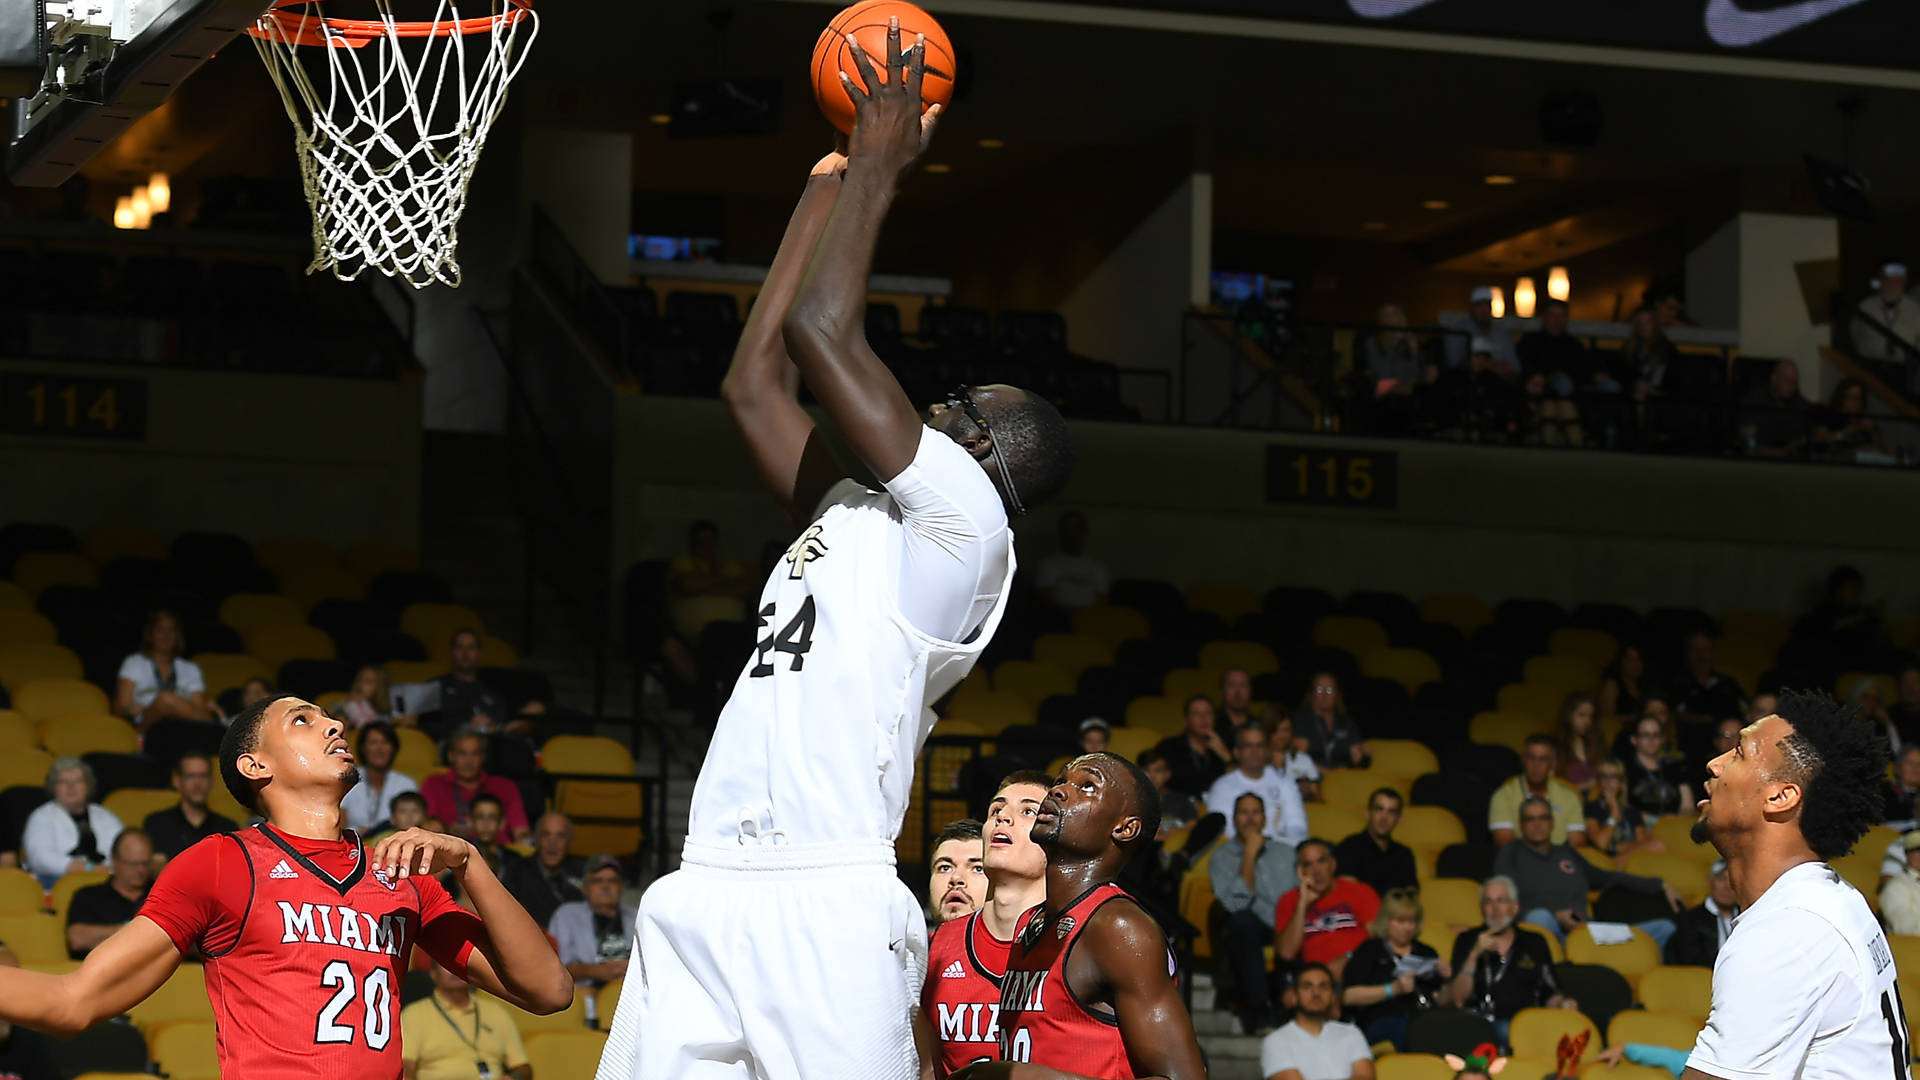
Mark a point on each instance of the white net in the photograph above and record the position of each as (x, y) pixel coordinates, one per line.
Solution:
(389, 122)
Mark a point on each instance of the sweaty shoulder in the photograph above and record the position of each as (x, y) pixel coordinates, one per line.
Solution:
(202, 895)
(1124, 936)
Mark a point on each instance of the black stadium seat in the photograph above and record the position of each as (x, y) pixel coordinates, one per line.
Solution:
(116, 771)
(311, 678)
(1447, 1031)
(22, 536)
(168, 739)
(395, 589)
(1602, 992)
(111, 1046)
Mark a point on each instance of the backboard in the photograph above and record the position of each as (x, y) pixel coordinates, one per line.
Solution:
(80, 72)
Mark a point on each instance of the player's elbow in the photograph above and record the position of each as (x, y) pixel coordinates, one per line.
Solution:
(555, 997)
(813, 328)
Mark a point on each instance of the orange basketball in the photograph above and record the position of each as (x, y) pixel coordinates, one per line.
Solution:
(867, 22)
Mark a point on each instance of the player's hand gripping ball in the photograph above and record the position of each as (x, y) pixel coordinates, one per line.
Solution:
(867, 23)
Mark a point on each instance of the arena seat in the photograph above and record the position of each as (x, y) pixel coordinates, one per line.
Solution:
(132, 805)
(1464, 613)
(1687, 991)
(39, 699)
(1451, 1031)
(226, 671)
(1110, 624)
(402, 672)
(275, 644)
(1333, 823)
(1072, 653)
(1411, 668)
(24, 768)
(1158, 714)
(992, 710)
(1412, 1067)
(1596, 857)
(1451, 902)
(1131, 742)
(1196, 900)
(24, 662)
(1626, 1070)
(1032, 680)
(1255, 658)
(313, 584)
(436, 623)
(1229, 600)
(182, 997)
(368, 559)
(35, 938)
(571, 1018)
(1352, 633)
(34, 571)
(1536, 1033)
(1403, 757)
(248, 611)
(1429, 826)
(565, 1053)
(1583, 645)
(498, 653)
(1676, 832)
(110, 1048)
(1602, 992)
(1349, 788)
(26, 628)
(1906, 951)
(187, 1050)
(1190, 682)
(20, 892)
(605, 1001)
(74, 734)
(14, 598)
(17, 732)
(60, 897)
(1658, 1028)
(591, 754)
(1632, 959)
(288, 556)
(1539, 700)
(1687, 875)
(1508, 729)
(109, 543)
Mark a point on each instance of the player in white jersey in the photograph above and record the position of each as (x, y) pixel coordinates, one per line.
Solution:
(1805, 985)
(785, 946)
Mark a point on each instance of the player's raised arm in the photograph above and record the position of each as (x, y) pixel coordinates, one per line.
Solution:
(826, 328)
(762, 387)
(114, 977)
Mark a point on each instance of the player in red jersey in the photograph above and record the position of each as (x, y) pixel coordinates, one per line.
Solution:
(960, 999)
(305, 934)
(1089, 989)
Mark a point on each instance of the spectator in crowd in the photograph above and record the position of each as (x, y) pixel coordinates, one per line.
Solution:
(464, 701)
(1762, 706)
(255, 689)
(1906, 709)
(1095, 734)
(367, 700)
(1656, 783)
(1393, 974)
(1325, 917)
(484, 818)
(1236, 699)
(174, 830)
(1537, 780)
(1288, 757)
(1314, 1045)
(1864, 696)
(71, 832)
(1842, 428)
(1564, 360)
(1702, 693)
(367, 803)
(1647, 359)
(552, 877)
(1892, 319)
(1624, 684)
(455, 1034)
(1840, 629)
(1250, 873)
(157, 683)
(1548, 420)
(1553, 880)
(1703, 929)
(1477, 401)
(1668, 306)
(1503, 352)
(1578, 743)
(25, 1054)
(957, 875)
(1614, 824)
(1500, 967)
(1331, 737)
(704, 586)
(1900, 893)
(1775, 420)
(97, 911)
(1069, 578)
(450, 794)
(1286, 814)
(1904, 788)
(407, 810)
(1656, 708)
(1198, 755)
(1391, 354)
(1177, 808)
(595, 936)
(1372, 855)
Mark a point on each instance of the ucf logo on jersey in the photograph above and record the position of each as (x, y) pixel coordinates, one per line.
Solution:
(804, 550)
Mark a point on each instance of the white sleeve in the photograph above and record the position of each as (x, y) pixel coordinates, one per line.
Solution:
(1895, 860)
(1762, 1025)
(189, 679)
(132, 668)
(953, 547)
(41, 845)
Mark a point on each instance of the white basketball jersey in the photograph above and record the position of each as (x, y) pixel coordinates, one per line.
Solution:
(1805, 987)
(818, 743)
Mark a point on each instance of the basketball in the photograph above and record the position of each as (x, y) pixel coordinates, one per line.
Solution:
(867, 22)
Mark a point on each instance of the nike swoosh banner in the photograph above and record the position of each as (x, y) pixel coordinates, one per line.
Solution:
(1864, 33)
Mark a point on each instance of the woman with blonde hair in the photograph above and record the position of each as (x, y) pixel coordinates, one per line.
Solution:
(367, 699)
(1578, 740)
(1393, 974)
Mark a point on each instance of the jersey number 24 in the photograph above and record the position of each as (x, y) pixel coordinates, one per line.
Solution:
(795, 639)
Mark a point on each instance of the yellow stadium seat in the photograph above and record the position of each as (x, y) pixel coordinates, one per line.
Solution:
(37, 570)
(24, 768)
(35, 938)
(17, 732)
(1429, 826)
(287, 556)
(110, 542)
(1633, 959)
(571, 1018)
(1595, 648)
(1357, 635)
(435, 624)
(222, 802)
(225, 671)
(1032, 680)
(1626, 1070)
(246, 612)
(1196, 899)
(1506, 729)
(1402, 757)
(615, 799)
(132, 805)
(182, 997)
(26, 628)
(1425, 859)
(1764, 626)
(1162, 714)
(1596, 857)
(1072, 653)
(1658, 1028)
(14, 598)
(417, 756)
(607, 1000)
(1439, 938)
(331, 700)
(1451, 902)
(1538, 700)
(1256, 658)
(1130, 742)
(20, 893)
(1411, 668)
(39, 699)
(1190, 682)
(370, 558)
(186, 1050)
(73, 734)
(1349, 789)
(316, 583)
(1860, 869)
(1412, 1067)
(565, 1053)
(401, 672)
(1464, 613)
(1566, 674)
(1906, 951)
(60, 897)
(993, 710)
(1226, 599)
(1110, 624)
(1745, 659)
(26, 661)
(274, 645)
(594, 754)
(1904, 633)
(1676, 832)
(496, 652)
(961, 727)
(113, 1076)
(1330, 823)
(1688, 875)
(1536, 1033)
(1889, 689)
(1877, 839)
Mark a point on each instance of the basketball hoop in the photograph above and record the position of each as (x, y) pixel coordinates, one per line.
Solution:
(388, 145)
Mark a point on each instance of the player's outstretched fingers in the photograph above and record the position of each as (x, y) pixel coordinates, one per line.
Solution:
(895, 62)
(916, 65)
(864, 65)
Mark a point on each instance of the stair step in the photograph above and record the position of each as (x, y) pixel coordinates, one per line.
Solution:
(1221, 1047)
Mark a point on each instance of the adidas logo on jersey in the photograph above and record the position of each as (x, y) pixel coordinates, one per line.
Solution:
(954, 971)
(283, 871)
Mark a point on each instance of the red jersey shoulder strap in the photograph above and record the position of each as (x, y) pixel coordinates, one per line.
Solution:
(977, 925)
(253, 883)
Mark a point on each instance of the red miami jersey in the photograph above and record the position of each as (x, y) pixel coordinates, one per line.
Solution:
(304, 949)
(961, 995)
(1041, 1020)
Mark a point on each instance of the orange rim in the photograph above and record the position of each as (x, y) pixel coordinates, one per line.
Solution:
(300, 28)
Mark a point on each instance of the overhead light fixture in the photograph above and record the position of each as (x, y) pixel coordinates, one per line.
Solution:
(1499, 180)
(1499, 302)
(1373, 226)
(159, 193)
(1436, 204)
(991, 144)
(939, 167)
(123, 212)
(142, 208)
(1523, 298)
(660, 118)
(1558, 286)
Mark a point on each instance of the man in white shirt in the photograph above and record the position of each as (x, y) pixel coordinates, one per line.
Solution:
(1900, 895)
(1805, 986)
(1314, 1046)
(1070, 578)
(1286, 813)
(1892, 309)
